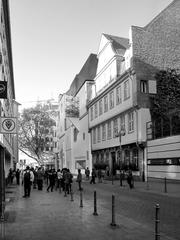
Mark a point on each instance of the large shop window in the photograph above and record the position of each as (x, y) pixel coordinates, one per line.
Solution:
(134, 159)
(127, 157)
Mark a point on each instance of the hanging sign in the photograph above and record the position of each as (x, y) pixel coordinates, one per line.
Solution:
(3, 89)
(8, 125)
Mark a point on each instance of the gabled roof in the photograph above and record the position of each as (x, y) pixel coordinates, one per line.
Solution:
(118, 43)
(160, 14)
(87, 73)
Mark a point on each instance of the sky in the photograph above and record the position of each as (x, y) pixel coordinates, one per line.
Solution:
(52, 39)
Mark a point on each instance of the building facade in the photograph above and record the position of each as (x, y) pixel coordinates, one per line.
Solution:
(72, 131)
(124, 82)
(8, 106)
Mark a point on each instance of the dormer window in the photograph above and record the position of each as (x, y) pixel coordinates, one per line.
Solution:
(144, 86)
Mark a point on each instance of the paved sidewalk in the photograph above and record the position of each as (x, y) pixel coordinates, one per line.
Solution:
(46, 216)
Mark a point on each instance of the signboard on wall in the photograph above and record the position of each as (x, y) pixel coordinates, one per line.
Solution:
(8, 125)
(3, 89)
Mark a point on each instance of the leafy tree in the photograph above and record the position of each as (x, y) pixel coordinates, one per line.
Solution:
(35, 124)
(167, 99)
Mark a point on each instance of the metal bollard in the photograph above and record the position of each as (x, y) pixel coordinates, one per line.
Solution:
(95, 204)
(81, 199)
(157, 222)
(72, 196)
(165, 185)
(113, 224)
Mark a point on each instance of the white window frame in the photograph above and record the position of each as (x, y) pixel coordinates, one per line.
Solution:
(95, 110)
(106, 103)
(104, 132)
(91, 110)
(115, 127)
(131, 122)
(111, 99)
(118, 95)
(98, 133)
(100, 107)
(109, 130)
(126, 89)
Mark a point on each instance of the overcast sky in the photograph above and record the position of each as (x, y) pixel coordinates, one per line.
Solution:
(51, 39)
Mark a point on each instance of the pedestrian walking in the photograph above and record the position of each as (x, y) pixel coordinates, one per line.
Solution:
(130, 179)
(99, 174)
(40, 178)
(67, 177)
(121, 177)
(87, 173)
(28, 178)
(17, 176)
(93, 176)
(59, 179)
(79, 180)
(52, 176)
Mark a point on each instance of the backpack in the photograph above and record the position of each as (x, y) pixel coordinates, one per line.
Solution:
(27, 176)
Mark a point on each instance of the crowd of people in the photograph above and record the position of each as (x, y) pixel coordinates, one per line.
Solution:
(61, 179)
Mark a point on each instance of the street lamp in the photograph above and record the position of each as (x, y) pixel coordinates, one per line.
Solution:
(121, 133)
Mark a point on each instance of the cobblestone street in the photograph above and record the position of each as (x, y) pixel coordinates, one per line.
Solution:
(47, 215)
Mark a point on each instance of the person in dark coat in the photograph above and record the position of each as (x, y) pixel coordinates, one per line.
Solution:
(130, 179)
(40, 176)
(79, 179)
(93, 176)
(52, 177)
(28, 178)
(17, 176)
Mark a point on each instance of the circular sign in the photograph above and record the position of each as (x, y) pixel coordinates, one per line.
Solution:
(2, 88)
(8, 125)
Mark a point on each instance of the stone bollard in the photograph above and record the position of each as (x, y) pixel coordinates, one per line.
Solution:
(81, 199)
(157, 222)
(95, 204)
(113, 223)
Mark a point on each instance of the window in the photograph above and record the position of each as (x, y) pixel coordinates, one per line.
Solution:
(118, 95)
(99, 134)
(96, 111)
(75, 134)
(94, 135)
(104, 132)
(109, 130)
(122, 122)
(143, 86)
(83, 136)
(111, 100)
(126, 90)
(135, 159)
(131, 122)
(91, 113)
(106, 103)
(115, 127)
(100, 107)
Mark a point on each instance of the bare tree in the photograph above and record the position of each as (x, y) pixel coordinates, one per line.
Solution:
(35, 125)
